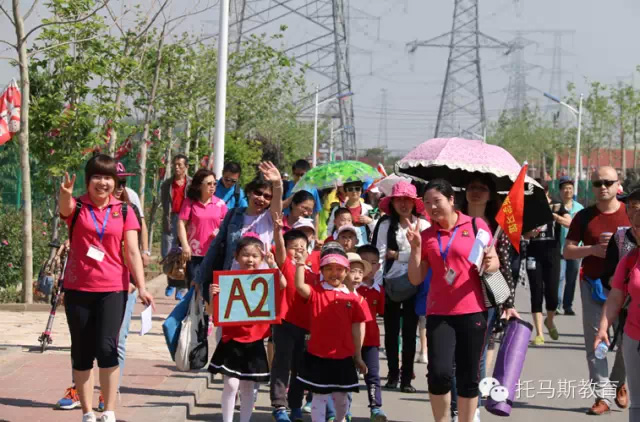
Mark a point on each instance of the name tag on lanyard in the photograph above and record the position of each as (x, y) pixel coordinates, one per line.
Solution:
(450, 274)
(97, 252)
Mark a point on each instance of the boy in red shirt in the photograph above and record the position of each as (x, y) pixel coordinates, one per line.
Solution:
(342, 217)
(289, 336)
(373, 293)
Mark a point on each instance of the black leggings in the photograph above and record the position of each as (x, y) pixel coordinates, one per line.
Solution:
(460, 338)
(94, 321)
(393, 311)
(545, 279)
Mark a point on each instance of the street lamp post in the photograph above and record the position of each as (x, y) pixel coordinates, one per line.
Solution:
(221, 91)
(578, 114)
(338, 97)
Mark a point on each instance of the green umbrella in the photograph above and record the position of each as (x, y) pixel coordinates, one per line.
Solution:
(337, 173)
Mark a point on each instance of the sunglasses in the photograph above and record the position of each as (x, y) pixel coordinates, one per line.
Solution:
(230, 180)
(122, 183)
(353, 189)
(265, 195)
(473, 188)
(211, 183)
(600, 183)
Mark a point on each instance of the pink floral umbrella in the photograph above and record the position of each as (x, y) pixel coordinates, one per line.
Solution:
(454, 159)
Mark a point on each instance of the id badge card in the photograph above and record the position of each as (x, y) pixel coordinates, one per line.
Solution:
(450, 276)
(95, 253)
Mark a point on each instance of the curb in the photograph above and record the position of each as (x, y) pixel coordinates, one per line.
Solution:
(180, 412)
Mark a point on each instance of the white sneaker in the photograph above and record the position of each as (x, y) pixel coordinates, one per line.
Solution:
(454, 418)
(107, 418)
(423, 359)
(476, 418)
(89, 417)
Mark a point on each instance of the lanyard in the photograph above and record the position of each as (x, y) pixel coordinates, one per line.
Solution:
(446, 251)
(104, 223)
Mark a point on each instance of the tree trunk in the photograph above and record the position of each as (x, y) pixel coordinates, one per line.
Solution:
(25, 168)
(623, 158)
(147, 119)
(554, 170)
(113, 139)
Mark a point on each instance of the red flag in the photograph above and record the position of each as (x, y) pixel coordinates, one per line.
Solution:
(511, 213)
(10, 102)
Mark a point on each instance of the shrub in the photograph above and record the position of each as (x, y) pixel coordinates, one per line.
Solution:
(11, 245)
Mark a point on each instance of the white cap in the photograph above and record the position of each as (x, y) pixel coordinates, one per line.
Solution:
(304, 222)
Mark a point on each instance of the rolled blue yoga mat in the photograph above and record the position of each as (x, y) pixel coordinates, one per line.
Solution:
(509, 364)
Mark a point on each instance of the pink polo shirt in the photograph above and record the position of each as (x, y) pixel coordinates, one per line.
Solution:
(85, 273)
(630, 265)
(204, 222)
(464, 296)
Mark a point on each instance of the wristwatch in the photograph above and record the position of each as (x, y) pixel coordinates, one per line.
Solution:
(148, 253)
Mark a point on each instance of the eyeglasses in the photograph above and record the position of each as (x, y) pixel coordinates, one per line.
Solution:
(212, 183)
(265, 195)
(353, 189)
(122, 183)
(230, 180)
(599, 183)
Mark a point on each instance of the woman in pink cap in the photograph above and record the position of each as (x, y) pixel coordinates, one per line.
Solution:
(402, 209)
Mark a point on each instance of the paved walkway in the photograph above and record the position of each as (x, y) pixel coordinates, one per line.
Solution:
(30, 382)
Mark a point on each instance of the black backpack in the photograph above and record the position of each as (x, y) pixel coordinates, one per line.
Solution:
(79, 205)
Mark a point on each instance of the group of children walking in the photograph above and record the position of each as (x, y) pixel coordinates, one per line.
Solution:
(328, 331)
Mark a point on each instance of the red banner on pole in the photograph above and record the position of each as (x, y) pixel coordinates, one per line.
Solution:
(511, 213)
(10, 102)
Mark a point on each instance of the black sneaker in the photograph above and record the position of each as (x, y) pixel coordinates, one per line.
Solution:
(407, 388)
(392, 383)
(569, 312)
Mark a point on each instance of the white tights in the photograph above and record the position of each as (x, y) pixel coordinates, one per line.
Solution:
(231, 387)
(319, 406)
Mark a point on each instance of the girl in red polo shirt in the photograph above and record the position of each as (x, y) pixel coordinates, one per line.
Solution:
(240, 355)
(334, 350)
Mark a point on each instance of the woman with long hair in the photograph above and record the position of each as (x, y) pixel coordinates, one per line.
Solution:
(403, 208)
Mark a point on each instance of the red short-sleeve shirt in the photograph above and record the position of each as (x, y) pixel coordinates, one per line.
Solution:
(630, 265)
(177, 195)
(333, 311)
(464, 296)
(86, 274)
(294, 309)
(374, 298)
(599, 223)
(246, 333)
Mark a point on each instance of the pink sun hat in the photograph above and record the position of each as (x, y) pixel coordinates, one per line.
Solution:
(121, 171)
(402, 189)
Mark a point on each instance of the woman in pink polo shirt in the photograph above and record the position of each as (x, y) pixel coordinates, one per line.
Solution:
(203, 213)
(96, 280)
(625, 290)
(456, 315)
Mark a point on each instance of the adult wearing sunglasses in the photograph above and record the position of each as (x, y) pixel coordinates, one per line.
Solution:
(594, 226)
(201, 215)
(228, 188)
(264, 198)
(360, 212)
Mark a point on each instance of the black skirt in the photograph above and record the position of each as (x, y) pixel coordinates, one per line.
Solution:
(245, 361)
(324, 376)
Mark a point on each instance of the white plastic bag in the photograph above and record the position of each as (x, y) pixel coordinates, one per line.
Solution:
(189, 334)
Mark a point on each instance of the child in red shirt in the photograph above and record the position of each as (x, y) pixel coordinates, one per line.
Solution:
(342, 217)
(240, 355)
(289, 336)
(337, 327)
(373, 293)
